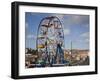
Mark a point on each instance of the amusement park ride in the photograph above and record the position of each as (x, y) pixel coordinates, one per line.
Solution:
(50, 42)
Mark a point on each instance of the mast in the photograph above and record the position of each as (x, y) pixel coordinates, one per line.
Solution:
(71, 47)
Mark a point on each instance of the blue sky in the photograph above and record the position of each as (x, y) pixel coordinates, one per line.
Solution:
(76, 29)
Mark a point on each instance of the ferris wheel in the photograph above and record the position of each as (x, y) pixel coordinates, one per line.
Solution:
(50, 39)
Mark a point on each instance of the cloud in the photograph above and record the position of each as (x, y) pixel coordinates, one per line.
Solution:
(31, 36)
(86, 25)
(26, 25)
(77, 19)
(85, 35)
(87, 40)
(66, 31)
(60, 16)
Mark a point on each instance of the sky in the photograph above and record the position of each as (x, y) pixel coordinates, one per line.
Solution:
(76, 29)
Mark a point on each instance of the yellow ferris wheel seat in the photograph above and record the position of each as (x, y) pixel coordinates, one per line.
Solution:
(41, 46)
